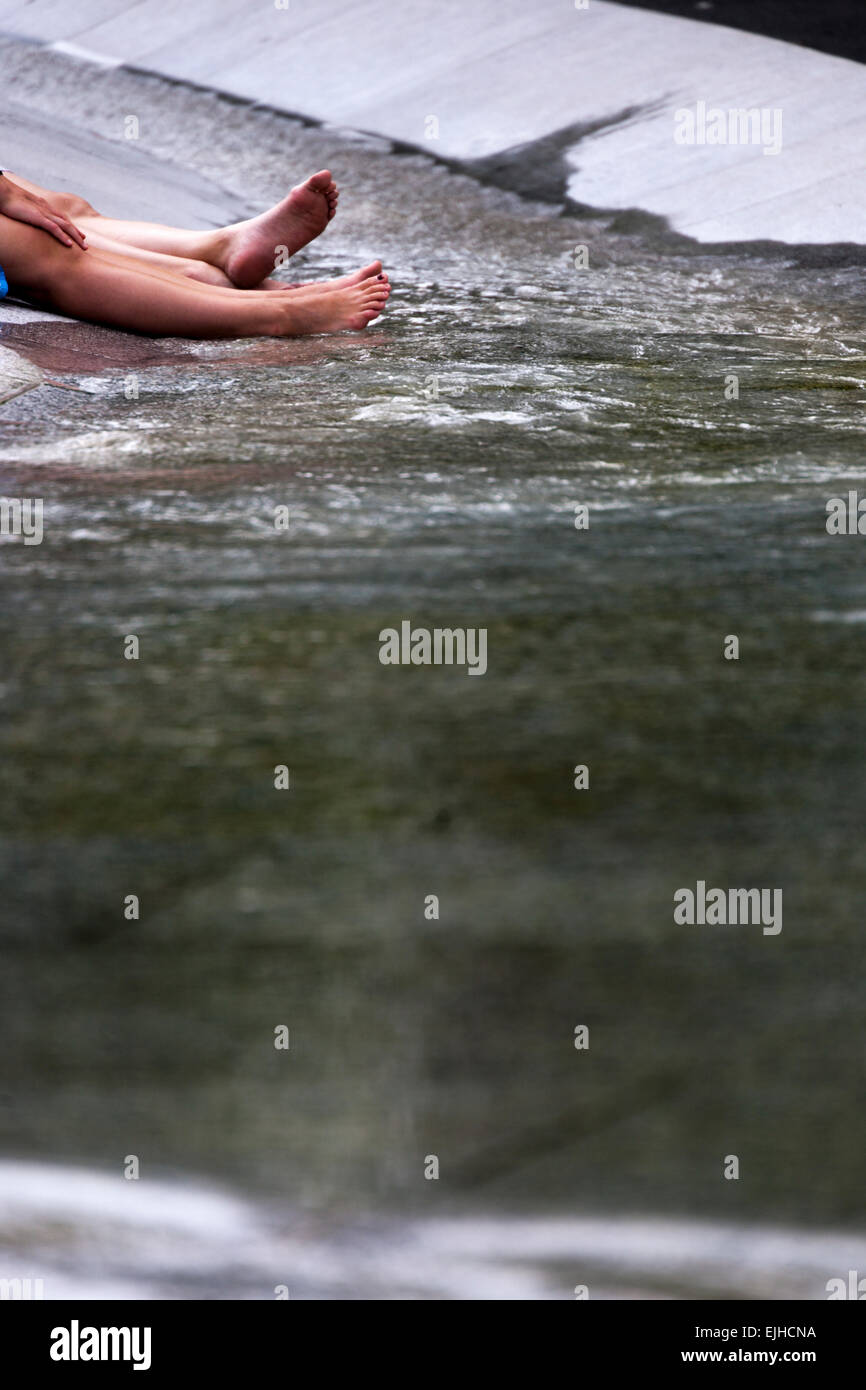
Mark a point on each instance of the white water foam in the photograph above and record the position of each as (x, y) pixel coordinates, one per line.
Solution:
(91, 1235)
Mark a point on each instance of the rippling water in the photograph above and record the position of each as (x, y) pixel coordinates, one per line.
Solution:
(431, 468)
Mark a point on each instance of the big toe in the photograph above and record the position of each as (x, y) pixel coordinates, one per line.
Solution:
(320, 182)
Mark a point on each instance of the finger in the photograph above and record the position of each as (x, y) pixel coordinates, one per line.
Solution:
(59, 219)
(71, 230)
(57, 232)
(68, 228)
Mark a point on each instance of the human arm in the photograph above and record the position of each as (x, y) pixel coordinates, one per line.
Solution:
(21, 206)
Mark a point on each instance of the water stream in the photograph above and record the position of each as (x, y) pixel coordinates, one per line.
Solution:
(431, 468)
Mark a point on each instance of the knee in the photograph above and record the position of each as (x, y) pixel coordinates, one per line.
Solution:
(70, 204)
(73, 205)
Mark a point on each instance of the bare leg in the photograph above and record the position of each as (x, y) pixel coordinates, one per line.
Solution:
(246, 252)
(179, 265)
(211, 275)
(174, 266)
(121, 292)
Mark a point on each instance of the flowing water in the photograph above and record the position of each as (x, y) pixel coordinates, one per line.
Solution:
(431, 469)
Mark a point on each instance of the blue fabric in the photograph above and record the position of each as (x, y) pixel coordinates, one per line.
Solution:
(4, 288)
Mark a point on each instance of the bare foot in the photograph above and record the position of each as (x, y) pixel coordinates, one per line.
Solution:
(351, 307)
(252, 247)
(373, 271)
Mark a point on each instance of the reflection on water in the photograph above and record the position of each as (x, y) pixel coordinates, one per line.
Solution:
(431, 470)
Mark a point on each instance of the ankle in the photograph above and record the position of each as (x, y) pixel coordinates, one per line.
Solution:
(279, 318)
(216, 248)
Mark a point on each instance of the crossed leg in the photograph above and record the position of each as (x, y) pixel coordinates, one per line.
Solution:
(115, 289)
(242, 255)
